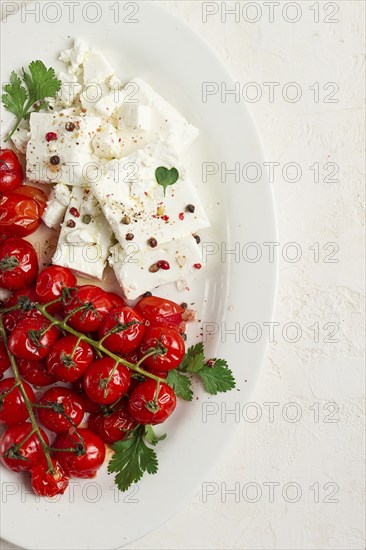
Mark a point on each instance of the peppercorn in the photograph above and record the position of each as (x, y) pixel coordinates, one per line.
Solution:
(55, 160)
(75, 212)
(152, 242)
(147, 294)
(130, 237)
(184, 305)
(87, 219)
(71, 223)
(70, 126)
(190, 208)
(198, 239)
(184, 336)
(126, 220)
(162, 264)
(154, 268)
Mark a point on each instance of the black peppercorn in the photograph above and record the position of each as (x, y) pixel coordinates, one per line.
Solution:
(190, 208)
(198, 239)
(130, 237)
(152, 242)
(55, 160)
(70, 126)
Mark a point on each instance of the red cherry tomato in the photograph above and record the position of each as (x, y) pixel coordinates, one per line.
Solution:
(11, 319)
(129, 330)
(11, 173)
(12, 405)
(117, 300)
(147, 406)
(4, 359)
(35, 372)
(68, 359)
(169, 342)
(101, 385)
(88, 457)
(50, 284)
(160, 311)
(88, 320)
(48, 484)
(21, 459)
(18, 264)
(70, 405)
(32, 339)
(21, 210)
(112, 427)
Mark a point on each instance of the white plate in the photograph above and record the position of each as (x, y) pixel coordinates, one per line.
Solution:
(164, 51)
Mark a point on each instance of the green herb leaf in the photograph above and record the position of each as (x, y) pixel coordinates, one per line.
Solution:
(166, 177)
(181, 384)
(218, 378)
(151, 436)
(132, 459)
(30, 94)
(194, 359)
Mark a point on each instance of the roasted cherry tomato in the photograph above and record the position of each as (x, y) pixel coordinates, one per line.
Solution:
(21, 210)
(66, 410)
(50, 283)
(127, 328)
(32, 339)
(88, 456)
(117, 300)
(170, 346)
(147, 405)
(35, 372)
(160, 311)
(48, 484)
(112, 426)
(21, 459)
(11, 319)
(12, 405)
(98, 305)
(69, 359)
(103, 383)
(18, 264)
(4, 359)
(11, 173)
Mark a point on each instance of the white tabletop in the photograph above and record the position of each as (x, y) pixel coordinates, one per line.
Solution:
(295, 470)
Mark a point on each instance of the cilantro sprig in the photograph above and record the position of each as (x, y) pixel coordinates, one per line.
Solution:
(166, 177)
(31, 93)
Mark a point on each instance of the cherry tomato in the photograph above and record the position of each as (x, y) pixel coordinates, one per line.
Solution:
(32, 339)
(4, 359)
(113, 426)
(11, 319)
(48, 484)
(11, 173)
(21, 459)
(88, 320)
(68, 359)
(12, 406)
(89, 405)
(50, 284)
(21, 210)
(96, 384)
(35, 372)
(149, 406)
(117, 300)
(18, 264)
(169, 342)
(160, 311)
(70, 405)
(88, 456)
(129, 330)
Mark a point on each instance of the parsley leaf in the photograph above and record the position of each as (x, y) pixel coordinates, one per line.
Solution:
(132, 458)
(166, 177)
(218, 378)
(194, 359)
(30, 94)
(181, 384)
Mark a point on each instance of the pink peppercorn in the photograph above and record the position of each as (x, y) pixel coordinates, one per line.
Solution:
(162, 264)
(197, 266)
(181, 216)
(75, 212)
(51, 136)
(165, 218)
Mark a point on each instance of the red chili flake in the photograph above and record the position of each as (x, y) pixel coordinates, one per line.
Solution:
(75, 212)
(165, 218)
(181, 216)
(51, 136)
(162, 264)
(197, 266)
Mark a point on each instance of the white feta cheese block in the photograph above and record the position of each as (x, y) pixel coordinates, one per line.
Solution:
(70, 89)
(134, 203)
(106, 143)
(74, 57)
(85, 237)
(97, 68)
(58, 201)
(132, 265)
(165, 121)
(135, 116)
(20, 139)
(66, 159)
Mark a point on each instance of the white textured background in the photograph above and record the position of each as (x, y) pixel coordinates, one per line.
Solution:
(313, 451)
